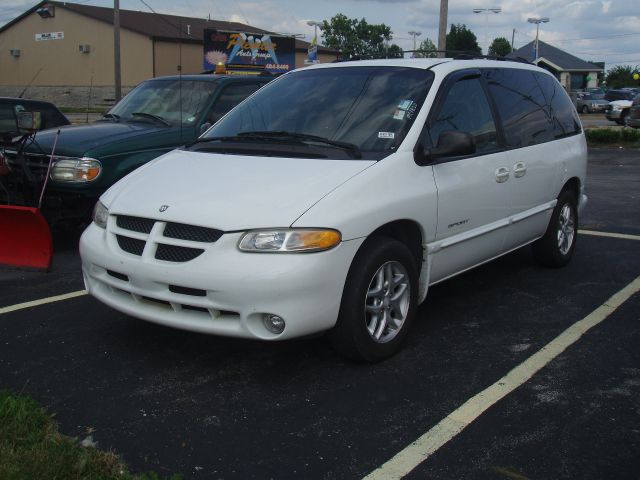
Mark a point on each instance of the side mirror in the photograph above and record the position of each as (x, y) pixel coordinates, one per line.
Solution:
(450, 144)
(204, 127)
(454, 144)
(29, 121)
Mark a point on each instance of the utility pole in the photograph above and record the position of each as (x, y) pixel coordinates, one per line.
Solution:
(414, 34)
(442, 28)
(513, 37)
(116, 49)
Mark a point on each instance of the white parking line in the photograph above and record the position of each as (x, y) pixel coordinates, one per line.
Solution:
(43, 301)
(410, 457)
(610, 235)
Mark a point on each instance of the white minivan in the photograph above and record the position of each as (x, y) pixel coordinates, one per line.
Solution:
(332, 198)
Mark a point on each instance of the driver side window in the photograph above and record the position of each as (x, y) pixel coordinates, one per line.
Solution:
(466, 109)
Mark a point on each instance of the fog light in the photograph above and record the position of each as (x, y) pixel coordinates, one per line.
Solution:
(273, 323)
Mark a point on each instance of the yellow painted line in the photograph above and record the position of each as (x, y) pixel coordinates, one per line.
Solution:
(43, 301)
(611, 235)
(416, 453)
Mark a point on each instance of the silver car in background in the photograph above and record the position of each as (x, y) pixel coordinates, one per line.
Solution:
(591, 103)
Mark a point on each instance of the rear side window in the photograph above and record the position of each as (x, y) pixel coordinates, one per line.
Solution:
(522, 106)
(564, 117)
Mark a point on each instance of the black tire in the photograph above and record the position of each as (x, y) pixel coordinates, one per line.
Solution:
(351, 335)
(556, 247)
(623, 118)
(585, 109)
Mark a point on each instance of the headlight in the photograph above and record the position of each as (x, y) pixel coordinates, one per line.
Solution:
(616, 108)
(295, 240)
(100, 215)
(76, 170)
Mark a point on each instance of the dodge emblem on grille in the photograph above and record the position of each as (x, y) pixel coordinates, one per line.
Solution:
(164, 208)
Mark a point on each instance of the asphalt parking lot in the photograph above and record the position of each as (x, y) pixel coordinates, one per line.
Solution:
(208, 407)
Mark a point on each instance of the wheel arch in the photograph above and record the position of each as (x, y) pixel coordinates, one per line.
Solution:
(407, 232)
(573, 185)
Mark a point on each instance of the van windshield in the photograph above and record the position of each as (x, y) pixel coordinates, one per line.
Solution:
(369, 108)
(165, 102)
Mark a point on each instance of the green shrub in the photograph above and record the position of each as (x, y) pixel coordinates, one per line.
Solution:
(612, 135)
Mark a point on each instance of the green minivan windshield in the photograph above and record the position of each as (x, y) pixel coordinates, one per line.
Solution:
(164, 102)
(367, 108)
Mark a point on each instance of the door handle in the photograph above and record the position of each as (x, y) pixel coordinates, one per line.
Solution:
(502, 174)
(519, 170)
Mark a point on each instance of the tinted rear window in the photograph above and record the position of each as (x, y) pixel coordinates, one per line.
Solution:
(533, 107)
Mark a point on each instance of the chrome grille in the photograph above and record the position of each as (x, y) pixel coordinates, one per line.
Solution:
(36, 163)
(172, 242)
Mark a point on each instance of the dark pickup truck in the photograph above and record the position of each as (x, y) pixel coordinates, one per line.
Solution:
(157, 116)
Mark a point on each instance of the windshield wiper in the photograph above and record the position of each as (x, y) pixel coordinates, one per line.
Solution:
(112, 117)
(350, 148)
(152, 117)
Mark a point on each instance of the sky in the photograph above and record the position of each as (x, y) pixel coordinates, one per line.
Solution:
(594, 30)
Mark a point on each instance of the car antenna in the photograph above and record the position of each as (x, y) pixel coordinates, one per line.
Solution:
(180, 73)
(29, 84)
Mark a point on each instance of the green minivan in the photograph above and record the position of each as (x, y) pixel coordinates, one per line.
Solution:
(157, 116)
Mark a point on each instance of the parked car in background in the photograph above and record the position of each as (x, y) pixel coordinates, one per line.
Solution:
(633, 119)
(50, 116)
(618, 110)
(621, 94)
(157, 116)
(591, 103)
(286, 218)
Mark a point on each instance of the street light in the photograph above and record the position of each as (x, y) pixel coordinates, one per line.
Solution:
(414, 35)
(537, 21)
(486, 12)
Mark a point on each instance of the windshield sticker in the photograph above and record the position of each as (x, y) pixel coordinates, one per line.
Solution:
(405, 104)
(386, 135)
(399, 114)
(411, 111)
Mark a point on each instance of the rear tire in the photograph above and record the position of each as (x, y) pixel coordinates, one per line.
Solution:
(378, 302)
(556, 247)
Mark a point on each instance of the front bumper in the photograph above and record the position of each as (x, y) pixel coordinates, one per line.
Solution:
(223, 291)
(614, 114)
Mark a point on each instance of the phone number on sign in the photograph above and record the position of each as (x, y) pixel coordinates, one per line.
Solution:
(277, 66)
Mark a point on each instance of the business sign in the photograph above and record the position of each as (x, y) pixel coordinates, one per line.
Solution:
(41, 37)
(312, 52)
(249, 51)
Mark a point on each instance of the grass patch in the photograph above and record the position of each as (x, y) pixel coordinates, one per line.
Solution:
(32, 448)
(601, 136)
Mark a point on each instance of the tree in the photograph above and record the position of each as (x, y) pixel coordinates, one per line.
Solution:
(355, 38)
(621, 76)
(500, 47)
(427, 49)
(462, 40)
(394, 51)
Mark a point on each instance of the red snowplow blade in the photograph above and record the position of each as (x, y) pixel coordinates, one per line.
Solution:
(25, 238)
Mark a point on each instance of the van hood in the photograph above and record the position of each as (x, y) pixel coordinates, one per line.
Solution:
(83, 140)
(228, 192)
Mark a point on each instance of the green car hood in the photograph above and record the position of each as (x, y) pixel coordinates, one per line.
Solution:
(104, 139)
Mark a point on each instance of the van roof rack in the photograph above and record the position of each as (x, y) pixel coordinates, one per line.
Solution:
(473, 56)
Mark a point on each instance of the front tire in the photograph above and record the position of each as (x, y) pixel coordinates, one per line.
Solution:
(378, 302)
(556, 247)
(585, 109)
